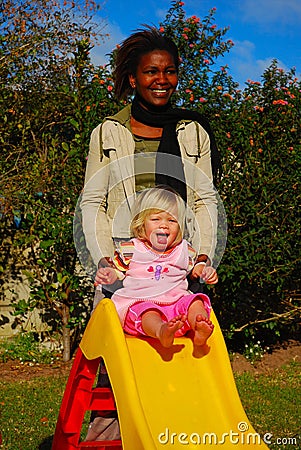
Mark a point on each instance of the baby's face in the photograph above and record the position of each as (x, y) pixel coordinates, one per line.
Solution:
(161, 230)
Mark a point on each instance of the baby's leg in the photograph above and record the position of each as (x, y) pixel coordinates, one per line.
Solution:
(199, 322)
(154, 326)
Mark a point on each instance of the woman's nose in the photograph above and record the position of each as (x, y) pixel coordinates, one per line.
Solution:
(161, 78)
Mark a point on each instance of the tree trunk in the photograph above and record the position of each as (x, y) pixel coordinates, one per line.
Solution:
(66, 334)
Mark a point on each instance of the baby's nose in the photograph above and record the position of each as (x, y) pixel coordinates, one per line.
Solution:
(164, 225)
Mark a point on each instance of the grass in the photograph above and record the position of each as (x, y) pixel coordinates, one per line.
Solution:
(29, 409)
(273, 403)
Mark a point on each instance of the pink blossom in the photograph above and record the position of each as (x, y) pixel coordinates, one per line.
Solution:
(206, 61)
(202, 100)
(254, 82)
(280, 102)
(110, 88)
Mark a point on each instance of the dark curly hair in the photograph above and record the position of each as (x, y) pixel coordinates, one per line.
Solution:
(130, 51)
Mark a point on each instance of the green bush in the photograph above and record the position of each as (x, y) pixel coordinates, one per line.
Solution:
(25, 347)
(260, 271)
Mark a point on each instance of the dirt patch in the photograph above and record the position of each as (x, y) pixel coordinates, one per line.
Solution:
(14, 371)
(276, 358)
(279, 356)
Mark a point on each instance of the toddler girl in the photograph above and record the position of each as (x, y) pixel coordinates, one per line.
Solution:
(155, 300)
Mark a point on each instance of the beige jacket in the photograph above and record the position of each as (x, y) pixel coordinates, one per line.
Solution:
(109, 189)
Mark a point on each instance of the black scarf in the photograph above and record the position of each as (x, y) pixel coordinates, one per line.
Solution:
(169, 167)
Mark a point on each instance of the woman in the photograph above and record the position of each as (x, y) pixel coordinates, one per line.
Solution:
(145, 144)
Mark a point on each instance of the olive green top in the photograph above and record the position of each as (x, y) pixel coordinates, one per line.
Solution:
(144, 162)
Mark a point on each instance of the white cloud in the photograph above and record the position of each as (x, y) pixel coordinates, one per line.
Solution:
(281, 12)
(243, 49)
(245, 66)
(99, 53)
(160, 14)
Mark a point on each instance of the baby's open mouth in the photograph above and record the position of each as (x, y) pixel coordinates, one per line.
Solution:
(162, 238)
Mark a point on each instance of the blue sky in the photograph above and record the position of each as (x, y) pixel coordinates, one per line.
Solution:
(262, 30)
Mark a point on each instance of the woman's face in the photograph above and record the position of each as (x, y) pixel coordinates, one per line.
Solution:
(156, 78)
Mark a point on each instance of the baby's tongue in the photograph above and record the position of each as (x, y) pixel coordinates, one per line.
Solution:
(162, 238)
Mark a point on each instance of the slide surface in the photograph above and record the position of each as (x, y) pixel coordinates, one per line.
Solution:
(169, 398)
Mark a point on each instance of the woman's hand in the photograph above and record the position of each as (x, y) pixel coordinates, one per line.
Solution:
(207, 273)
(105, 275)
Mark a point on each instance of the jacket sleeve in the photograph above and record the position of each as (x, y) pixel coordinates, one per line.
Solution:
(202, 196)
(206, 198)
(95, 222)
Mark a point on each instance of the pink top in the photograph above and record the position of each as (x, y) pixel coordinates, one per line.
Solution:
(155, 277)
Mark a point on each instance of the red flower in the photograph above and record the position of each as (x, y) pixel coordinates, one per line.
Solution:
(280, 102)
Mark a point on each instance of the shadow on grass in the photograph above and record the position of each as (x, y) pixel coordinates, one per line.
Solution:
(46, 444)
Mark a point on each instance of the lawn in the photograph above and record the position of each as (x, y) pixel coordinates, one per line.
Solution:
(272, 402)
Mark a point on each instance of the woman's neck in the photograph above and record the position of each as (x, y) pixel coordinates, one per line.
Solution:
(146, 131)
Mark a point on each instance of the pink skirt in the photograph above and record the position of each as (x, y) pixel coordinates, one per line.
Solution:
(132, 323)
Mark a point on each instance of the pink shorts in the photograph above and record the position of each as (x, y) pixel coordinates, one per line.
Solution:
(132, 323)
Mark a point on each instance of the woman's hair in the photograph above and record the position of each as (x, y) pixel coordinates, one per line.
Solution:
(130, 51)
(152, 201)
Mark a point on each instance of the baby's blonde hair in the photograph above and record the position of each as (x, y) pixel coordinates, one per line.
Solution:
(152, 201)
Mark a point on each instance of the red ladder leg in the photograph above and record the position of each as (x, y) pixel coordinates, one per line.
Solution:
(79, 397)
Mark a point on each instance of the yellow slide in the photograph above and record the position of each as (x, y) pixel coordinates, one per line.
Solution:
(169, 398)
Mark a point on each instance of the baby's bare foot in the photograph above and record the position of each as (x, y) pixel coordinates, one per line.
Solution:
(169, 329)
(203, 329)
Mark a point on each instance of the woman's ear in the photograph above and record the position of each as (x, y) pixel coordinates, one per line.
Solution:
(132, 81)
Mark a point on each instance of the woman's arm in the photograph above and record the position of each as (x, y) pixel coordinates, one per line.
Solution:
(95, 222)
(202, 196)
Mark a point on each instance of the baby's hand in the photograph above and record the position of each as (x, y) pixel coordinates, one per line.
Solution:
(105, 275)
(206, 273)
